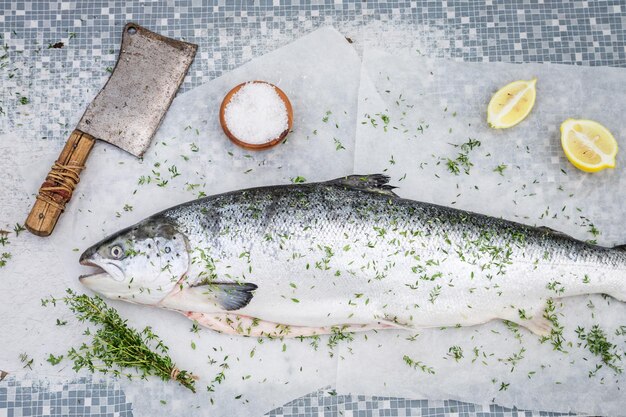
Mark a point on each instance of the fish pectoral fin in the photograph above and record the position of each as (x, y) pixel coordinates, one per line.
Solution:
(228, 295)
(374, 183)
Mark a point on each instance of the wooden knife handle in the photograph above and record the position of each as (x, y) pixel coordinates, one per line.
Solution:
(59, 185)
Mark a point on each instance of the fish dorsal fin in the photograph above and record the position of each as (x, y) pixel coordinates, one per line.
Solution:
(620, 247)
(374, 183)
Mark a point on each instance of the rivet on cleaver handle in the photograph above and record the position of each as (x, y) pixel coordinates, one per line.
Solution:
(126, 113)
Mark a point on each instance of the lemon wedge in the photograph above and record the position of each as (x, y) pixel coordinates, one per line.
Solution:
(511, 104)
(588, 145)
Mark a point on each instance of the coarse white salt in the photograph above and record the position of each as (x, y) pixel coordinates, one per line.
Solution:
(256, 114)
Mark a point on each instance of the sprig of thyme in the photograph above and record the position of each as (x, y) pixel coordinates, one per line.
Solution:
(415, 364)
(115, 347)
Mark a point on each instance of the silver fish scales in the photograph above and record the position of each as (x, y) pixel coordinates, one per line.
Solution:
(304, 259)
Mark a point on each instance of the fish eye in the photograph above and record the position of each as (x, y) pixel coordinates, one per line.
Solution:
(116, 251)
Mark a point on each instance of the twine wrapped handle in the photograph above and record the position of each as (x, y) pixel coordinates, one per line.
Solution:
(60, 183)
(61, 179)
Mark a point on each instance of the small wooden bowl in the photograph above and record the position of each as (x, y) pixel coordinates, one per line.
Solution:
(256, 146)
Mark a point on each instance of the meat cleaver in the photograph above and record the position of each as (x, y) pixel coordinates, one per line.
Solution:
(126, 113)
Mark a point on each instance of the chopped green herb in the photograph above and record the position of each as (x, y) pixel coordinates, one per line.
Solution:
(54, 360)
(470, 145)
(338, 334)
(173, 171)
(455, 352)
(27, 361)
(418, 365)
(4, 257)
(338, 145)
(434, 293)
(453, 166)
(596, 341)
(556, 332)
(500, 169)
(221, 376)
(18, 228)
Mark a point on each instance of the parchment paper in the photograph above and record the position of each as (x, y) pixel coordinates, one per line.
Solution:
(193, 155)
(431, 105)
(320, 73)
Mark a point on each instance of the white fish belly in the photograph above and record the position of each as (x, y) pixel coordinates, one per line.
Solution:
(296, 292)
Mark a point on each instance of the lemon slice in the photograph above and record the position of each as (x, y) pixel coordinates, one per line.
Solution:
(588, 145)
(511, 104)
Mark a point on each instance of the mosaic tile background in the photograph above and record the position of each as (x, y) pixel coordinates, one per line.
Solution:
(78, 398)
(58, 81)
(84, 397)
(323, 403)
(55, 55)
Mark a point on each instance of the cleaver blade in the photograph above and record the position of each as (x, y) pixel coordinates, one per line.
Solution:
(130, 107)
(126, 113)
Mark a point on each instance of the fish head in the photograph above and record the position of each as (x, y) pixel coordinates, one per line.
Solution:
(141, 264)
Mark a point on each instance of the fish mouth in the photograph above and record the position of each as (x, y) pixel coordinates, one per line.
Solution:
(98, 269)
(101, 281)
(98, 272)
(101, 270)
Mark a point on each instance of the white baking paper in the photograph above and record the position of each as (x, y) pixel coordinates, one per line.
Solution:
(320, 75)
(414, 113)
